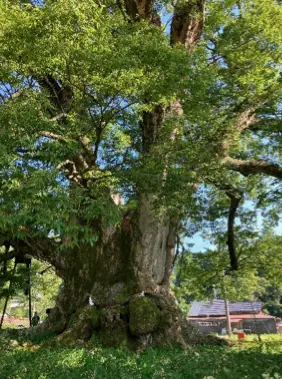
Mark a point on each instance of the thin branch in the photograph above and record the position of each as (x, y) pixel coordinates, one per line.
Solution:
(45, 270)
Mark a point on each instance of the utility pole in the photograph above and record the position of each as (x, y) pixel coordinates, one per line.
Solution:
(27, 260)
(226, 302)
(228, 322)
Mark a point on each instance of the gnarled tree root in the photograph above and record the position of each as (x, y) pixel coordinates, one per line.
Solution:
(143, 321)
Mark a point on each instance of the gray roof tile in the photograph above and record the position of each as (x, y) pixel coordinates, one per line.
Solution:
(217, 308)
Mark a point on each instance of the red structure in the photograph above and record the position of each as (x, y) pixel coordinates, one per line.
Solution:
(17, 321)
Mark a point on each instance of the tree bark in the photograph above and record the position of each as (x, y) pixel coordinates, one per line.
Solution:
(249, 167)
(127, 277)
(234, 203)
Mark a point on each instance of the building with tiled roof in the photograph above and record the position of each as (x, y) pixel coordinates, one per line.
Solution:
(210, 317)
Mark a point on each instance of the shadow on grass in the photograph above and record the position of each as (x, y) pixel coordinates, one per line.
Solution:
(237, 362)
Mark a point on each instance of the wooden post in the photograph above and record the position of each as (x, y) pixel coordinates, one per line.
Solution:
(7, 297)
(5, 308)
(29, 292)
(228, 322)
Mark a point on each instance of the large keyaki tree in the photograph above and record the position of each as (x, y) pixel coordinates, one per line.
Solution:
(112, 119)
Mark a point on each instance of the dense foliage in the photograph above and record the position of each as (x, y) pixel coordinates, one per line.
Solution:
(205, 275)
(107, 73)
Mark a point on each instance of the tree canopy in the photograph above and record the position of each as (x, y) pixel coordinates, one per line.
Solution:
(72, 100)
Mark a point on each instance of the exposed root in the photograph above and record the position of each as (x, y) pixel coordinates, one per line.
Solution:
(144, 321)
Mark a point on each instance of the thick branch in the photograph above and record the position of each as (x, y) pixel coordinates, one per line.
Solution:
(244, 120)
(42, 248)
(140, 9)
(177, 251)
(151, 125)
(186, 28)
(187, 22)
(54, 136)
(234, 203)
(16, 94)
(60, 95)
(248, 167)
(273, 125)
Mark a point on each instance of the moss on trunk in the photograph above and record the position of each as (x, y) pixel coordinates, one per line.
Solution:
(126, 274)
(143, 321)
(144, 316)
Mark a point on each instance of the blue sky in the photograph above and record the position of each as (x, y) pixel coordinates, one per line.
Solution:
(200, 244)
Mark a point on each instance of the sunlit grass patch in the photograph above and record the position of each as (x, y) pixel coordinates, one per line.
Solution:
(243, 360)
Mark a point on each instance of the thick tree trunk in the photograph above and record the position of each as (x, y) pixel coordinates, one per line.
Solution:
(127, 274)
(127, 277)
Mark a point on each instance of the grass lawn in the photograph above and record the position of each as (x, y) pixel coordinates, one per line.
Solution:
(248, 359)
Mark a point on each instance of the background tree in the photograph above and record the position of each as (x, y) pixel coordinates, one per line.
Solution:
(44, 289)
(207, 274)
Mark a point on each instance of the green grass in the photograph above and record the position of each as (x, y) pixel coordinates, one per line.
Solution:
(244, 360)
